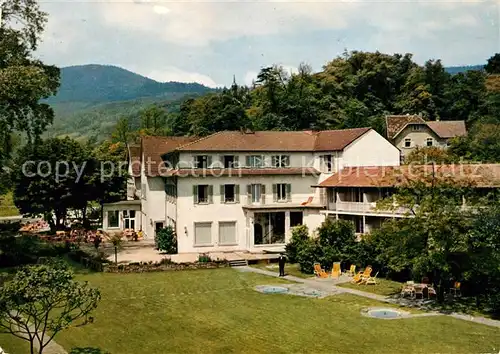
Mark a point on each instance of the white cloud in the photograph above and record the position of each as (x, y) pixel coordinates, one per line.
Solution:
(161, 10)
(199, 22)
(175, 74)
(250, 77)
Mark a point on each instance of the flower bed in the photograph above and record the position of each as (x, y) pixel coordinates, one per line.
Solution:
(160, 267)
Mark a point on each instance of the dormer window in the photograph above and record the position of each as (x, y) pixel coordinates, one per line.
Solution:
(281, 161)
(429, 141)
(416, 127)
(407, 143)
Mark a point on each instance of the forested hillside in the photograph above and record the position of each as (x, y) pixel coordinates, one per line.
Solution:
(357, 89)
(92, 98)
(92, 84)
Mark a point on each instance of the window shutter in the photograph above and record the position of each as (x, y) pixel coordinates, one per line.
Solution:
(286, 161)
(275, 193)
(247, 161)
(263, 193)
(236, 162)
(222, 193)
(237, 193)
(209, 161)
(195, 194)
(249, 193)
(210, 194)
(289, 192)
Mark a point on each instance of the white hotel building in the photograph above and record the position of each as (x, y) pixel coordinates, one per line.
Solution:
(239, 191)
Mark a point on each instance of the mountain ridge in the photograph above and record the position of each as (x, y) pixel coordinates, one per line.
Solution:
(95, 83)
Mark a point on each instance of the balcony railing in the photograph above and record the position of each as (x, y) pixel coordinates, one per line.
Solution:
(356, 207)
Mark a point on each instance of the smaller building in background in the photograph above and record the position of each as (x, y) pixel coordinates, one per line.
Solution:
(408, 132)
(353, 192)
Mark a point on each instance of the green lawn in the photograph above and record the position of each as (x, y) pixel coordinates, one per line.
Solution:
(383, 287)
(290, 269)
(7, 207)
(217, 311)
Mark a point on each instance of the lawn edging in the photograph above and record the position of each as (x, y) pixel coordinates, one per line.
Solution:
(142, 267)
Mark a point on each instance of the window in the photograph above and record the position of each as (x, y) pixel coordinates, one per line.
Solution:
(281, 161)
(229, 193)
(255, 161)
(256, 193)
(202, 233)
(327, 161)
(296, 218)
(129, 219)
(202, 161)
(227, 233)
(269, 228)
(407, 142)
(429, 141)
(416, 127)
(113, 216)
(202, 194)
(230, 161)
(282, 192)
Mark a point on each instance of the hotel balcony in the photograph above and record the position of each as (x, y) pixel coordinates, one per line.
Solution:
(363, 208)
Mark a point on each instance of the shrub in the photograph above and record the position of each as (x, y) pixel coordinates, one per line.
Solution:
(308, 254)
(300, 235)
(337, 240)
(166, 240)
(204, 258)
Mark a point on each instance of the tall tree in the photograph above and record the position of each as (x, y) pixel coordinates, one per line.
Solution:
(48, 178)
(493, 64)
(41, 301)
(24, 81)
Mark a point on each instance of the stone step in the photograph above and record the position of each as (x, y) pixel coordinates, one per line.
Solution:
(238, 263)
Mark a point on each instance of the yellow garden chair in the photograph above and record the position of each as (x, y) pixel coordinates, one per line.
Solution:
(319, 272)
(361, 276)
(336, 270)
(352, 270)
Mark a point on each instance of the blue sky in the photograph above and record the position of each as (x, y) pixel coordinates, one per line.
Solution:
(209, 41)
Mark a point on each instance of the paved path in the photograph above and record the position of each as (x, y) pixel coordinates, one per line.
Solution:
(327, 285)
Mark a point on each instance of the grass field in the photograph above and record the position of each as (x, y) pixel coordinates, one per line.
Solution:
(7, 207)
(290, 269)
(383, 287)
(217, 311)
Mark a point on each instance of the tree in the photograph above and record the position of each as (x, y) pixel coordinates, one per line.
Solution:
(337, 240)
(166, 240)
(41, 301)
(482, 144)
(300, 235)
(48, 179)
(427, 155)
(431, 241)
(153, 121)
(116, 240)
(24, 81)
(122, 132)
(493, 64)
